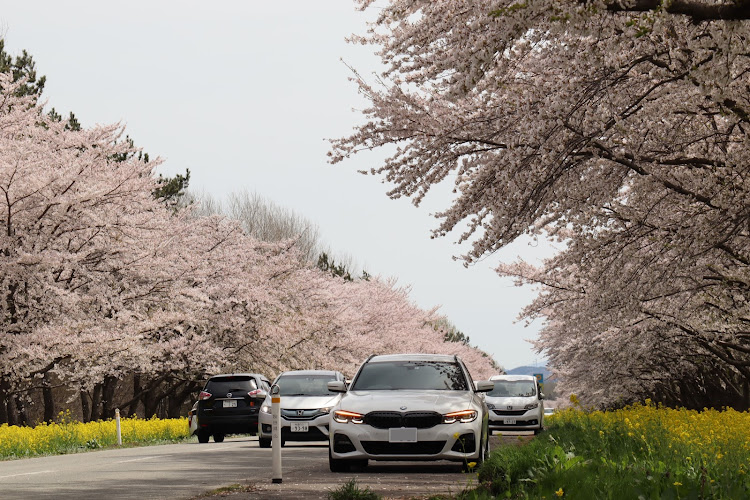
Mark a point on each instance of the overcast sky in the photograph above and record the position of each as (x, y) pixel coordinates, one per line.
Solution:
(245, 94)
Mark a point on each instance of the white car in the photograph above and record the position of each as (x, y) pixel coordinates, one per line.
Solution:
(409, 407)
(305, 405)
(193, 419)
(515, 403)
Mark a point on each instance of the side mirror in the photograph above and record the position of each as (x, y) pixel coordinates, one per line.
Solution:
(541, 395)
(337, 386)
(485, 385)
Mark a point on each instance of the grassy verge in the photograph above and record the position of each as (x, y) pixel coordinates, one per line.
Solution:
(642, 451)
(71, 437)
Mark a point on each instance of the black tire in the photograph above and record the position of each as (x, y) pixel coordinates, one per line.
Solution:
(358, 464)
(218, 438)
(203, 436)
(264, 442)
(337, 465)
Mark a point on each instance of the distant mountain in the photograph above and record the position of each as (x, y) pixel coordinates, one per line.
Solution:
(529, 370)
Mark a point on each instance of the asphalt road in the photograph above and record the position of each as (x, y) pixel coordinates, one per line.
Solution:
(189, 470)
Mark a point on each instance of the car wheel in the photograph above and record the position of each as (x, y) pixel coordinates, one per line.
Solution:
(336, 464)
(203, 436)
(264, 442)
(218, 438)
(537, 431)
(360, 464)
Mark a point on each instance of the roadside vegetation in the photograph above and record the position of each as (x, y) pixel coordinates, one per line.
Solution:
(67, 436)
(642, 451)
(351, 491)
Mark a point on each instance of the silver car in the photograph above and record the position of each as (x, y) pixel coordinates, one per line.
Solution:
(516, 404)
(305, 405)
(409, 407)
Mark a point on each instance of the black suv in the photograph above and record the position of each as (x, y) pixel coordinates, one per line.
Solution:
(229, 404)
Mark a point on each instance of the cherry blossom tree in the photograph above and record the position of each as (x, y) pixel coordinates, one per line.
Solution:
(116, 301)
(617, 128)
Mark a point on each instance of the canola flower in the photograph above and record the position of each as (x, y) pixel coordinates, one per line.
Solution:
(68, 436)
(702, 445)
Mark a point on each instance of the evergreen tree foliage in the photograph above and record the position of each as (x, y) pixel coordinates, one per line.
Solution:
(22, 66)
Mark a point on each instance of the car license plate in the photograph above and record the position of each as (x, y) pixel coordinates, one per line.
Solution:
(509, 421)
(299, 426)
(402, 435)
(230, 403)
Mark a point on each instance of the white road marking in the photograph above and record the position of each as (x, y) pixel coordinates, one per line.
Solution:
(28, 473)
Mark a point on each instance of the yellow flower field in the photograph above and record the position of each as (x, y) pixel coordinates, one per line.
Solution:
(707, 437)
(641, 451)
(67, 436)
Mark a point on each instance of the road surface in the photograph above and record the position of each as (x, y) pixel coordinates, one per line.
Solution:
(188, 470)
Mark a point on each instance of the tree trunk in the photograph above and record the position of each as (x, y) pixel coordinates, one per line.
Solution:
(108, 397)
(23, 417)
(4, 401)
(85, 408)
(96, 403)
(150, 403)
(49, 400)
(133, 407)
(177, 398)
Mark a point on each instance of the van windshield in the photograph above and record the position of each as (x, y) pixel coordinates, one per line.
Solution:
(513, 389)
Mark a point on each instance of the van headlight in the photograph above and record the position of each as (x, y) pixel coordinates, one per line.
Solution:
(531, 406)
(265, 409)
(463, 416)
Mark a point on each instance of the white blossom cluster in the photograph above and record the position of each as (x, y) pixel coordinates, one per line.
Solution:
(99, 283)
(618, 128)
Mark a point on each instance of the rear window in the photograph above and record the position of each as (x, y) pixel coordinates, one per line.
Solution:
(513, 389)
(305, 385)
(223, 385)
(419, 375)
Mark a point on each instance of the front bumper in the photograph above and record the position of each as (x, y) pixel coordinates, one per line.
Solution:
(317, 428)
(458, 442)
(515, 420)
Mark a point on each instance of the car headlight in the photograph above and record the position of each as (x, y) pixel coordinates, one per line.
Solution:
(531, 406)
(343, 417)
(265, 409)
(490, 406)
(463, 416)
(325, 409)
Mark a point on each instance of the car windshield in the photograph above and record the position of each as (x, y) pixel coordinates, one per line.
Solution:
(402, 375)
(305, 385)
(513, 388)
(223, 385)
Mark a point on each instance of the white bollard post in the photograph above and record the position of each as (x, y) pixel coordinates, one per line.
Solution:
(119, 430)
(275, 435)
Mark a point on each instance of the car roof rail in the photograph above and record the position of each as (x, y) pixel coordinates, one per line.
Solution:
(370, 357)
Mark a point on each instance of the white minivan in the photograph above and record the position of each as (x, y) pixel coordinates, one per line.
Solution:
(515, 404)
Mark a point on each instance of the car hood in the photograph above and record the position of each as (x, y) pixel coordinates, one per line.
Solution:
(306, 402)
(406, 400)
(516, 403)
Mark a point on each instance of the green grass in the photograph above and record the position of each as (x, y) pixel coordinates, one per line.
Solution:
(350, 491)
